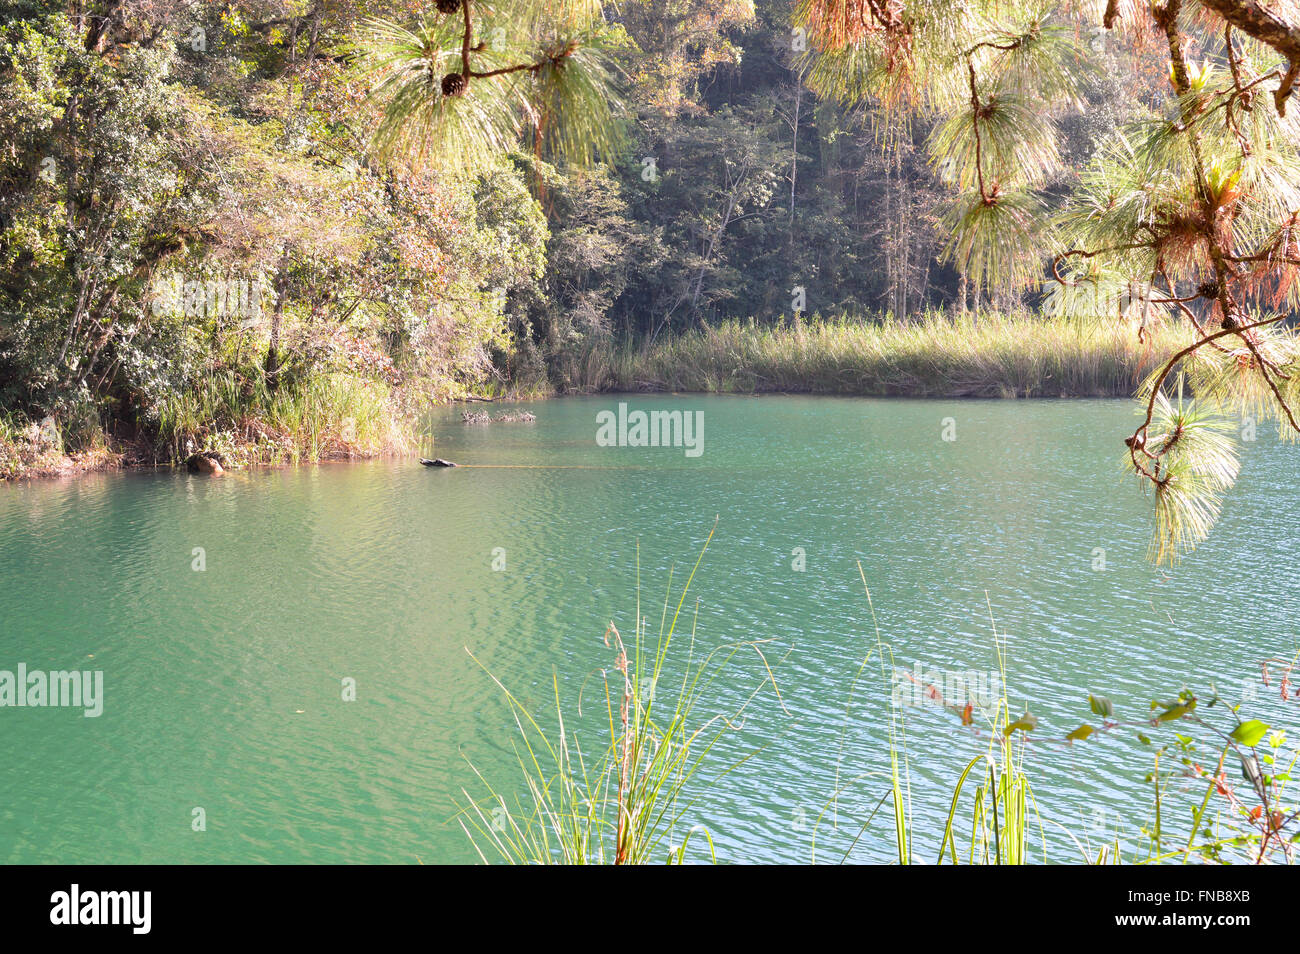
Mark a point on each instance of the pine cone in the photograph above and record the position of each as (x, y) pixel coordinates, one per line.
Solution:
(1208, 289)
(453, 84)
(448, 6)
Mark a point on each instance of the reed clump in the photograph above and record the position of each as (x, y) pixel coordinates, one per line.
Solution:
(988, 354)
(332, 416)
(631, 798)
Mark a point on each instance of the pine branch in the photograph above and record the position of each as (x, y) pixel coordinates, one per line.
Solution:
(1256, 20)
(1137, 443)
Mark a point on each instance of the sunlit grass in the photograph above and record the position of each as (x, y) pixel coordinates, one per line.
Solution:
(934, 355)
(991, 825)
(322, 417)
(632, 799)
(33, 449)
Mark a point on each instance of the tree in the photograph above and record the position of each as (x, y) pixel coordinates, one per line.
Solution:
(97, 197)
(1192, 210)
(678, 45)
(159, 152)
(463, 85)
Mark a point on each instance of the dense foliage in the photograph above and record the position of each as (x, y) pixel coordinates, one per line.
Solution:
(189, 200)
(177, 144)
(208, 206)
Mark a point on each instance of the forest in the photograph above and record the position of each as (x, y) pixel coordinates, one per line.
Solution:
(278, 231)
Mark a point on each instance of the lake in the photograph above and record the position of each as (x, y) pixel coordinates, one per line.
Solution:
(225, 615)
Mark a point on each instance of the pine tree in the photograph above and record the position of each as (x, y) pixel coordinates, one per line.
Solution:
(1191, 213)
(472, 79)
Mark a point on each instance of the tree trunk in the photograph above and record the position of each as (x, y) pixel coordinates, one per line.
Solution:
(901, 240)
(271, 369)
(886, 239)
(794, 152)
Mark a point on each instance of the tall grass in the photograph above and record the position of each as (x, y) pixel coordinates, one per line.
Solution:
(998, 813)
(320, 417)
(977, 355)
(993, 825)
(30, 449)
(630, 802)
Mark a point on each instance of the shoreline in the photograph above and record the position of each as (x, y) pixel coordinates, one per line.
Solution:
(932, 356)
(73, 467)
(69, 467)
(349, 417)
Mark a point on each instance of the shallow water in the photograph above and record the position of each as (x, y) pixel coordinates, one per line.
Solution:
(223, 687)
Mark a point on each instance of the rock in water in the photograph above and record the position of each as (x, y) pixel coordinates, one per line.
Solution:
(205, 464)
(437, 462)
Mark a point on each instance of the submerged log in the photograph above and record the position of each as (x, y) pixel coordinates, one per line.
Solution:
(437, 462)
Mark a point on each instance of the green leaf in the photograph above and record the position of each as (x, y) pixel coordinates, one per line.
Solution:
(1101, 706)
(1080, 733)
(1249, 733)
(1026, 723)
(1176, 711)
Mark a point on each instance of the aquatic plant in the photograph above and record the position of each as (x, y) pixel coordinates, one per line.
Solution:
(631, 802)
(998, 809)
(989, 354)
(319, 417)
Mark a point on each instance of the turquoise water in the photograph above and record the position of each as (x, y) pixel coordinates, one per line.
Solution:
(223, 688)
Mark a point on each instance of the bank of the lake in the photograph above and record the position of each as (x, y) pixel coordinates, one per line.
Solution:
(231, 415)
(231, 418)
(934, 355)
